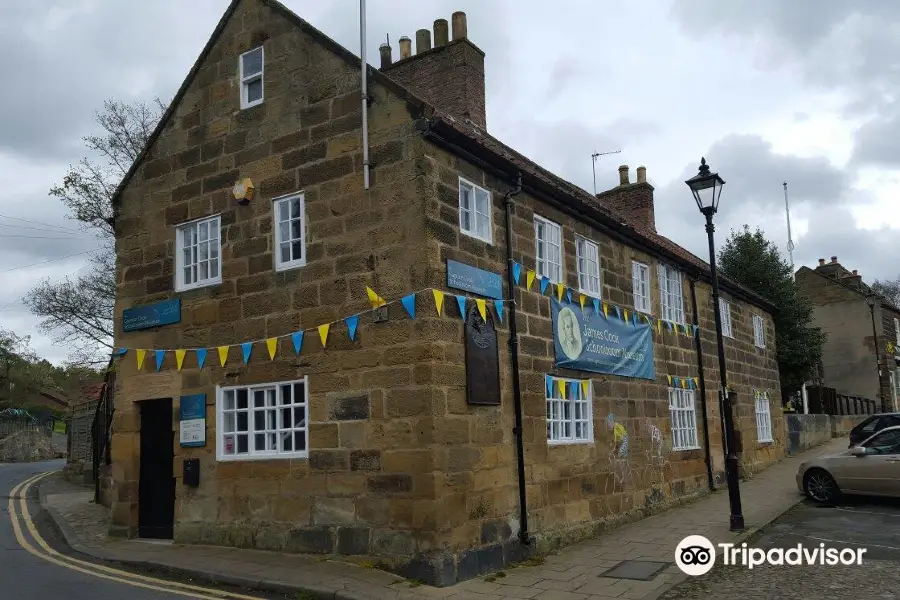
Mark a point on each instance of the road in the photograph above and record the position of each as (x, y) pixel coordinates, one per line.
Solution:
(856, 523)
(35, 566)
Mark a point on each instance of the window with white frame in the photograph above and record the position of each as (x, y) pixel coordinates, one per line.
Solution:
(262, 421)
(251, 67)
(640, 284)
(569, 418)
(475, 211)
(897, 329)
(671, 296)
(759, 332)
(725, 315)
(548, 249)
(198, 254)
(588, 255)
(290, 232)
(763, 418)
(683, 416)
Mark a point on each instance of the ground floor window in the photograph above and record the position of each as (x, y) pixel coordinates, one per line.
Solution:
(569, 410)
(683, 414)
(262, 421)
(763, 417)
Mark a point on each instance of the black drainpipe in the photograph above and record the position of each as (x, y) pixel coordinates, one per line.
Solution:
(699, 346)
(524, 538)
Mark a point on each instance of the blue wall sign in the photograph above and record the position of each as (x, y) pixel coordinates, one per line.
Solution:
(193, 420)
(165, 312)
(585, 340)
(470, 279)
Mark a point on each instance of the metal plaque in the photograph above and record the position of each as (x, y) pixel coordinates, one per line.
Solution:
(482, 360)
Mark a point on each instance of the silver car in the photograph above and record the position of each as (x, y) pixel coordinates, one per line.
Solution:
(871, 469)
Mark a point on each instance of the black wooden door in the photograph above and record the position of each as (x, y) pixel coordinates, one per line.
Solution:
(156, 493)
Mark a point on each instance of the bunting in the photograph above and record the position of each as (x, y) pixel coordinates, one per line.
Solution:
(160, 357)
(374, 299)
(323, 333)
(482, 308)
(352, 323)
(499, 307)
(544, 283)
(140, 355)
(438, 300)
(297, 339)
(201, 357)
(272, 347)
(179, 358)
(246, 349)
(581, 299)
(529, 279)
(516, 272)
(223, 355)
(560, 290)
(461, 303)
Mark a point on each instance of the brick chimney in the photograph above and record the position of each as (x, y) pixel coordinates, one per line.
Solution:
(834, 269)
(634, 201)
(449, 75)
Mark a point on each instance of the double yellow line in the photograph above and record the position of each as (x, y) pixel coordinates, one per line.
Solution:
(19, 496)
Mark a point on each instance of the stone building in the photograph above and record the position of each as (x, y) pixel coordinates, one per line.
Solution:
(395, 433)
(861, 354)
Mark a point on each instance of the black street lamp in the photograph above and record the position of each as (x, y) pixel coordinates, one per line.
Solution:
(707, 189)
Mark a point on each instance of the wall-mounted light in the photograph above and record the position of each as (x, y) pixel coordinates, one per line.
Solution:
(243, 191)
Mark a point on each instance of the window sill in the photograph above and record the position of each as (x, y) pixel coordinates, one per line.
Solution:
(590, 294)
(687, 449)
(474, 235)
(289, 266)
(765, 442)
(569, 442)
(250, 104)
(197, 286)
(255, 457)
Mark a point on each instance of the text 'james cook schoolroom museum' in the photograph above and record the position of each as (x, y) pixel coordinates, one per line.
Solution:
(314, 352)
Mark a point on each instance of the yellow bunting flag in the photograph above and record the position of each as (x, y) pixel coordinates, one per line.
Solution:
(374, 299)
(581, 299)
(658, 327)
(696, 382)
(561, 386)
(585, 385)
(141, 355)
(438, 300)
(482, 308)
(560, 289)
(272, 345)
(223, 355)
(605, 311)
(323, 333)
(529, 279)
(669, 379)
(625, 315)
(179, 357)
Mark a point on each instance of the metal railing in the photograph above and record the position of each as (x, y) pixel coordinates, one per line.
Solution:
(826, 400)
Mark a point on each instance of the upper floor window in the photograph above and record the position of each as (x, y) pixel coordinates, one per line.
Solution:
(262, 421)
(251, 67)
(588, 254)
(725, 315)
(759, 332)
(548, 249)
(475, 211)
(640, 285)
(197, 254)
(290, 232)
(671, 297)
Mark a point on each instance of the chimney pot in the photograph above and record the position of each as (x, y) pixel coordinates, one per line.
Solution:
(423, 41)
(460, 27)
(834, 260)
(386, 59)
(623, 175)
(405, 47)
(854, 272)
(441, 32)
(642, 174)
(821, 262)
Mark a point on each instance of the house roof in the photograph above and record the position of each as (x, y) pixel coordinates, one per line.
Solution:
(55, 396)
(867, 291)
(572, 196)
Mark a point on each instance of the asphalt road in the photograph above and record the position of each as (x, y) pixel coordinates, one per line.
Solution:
(35, 565)
(869, 523)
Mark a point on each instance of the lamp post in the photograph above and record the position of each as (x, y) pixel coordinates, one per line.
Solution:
(707, 189)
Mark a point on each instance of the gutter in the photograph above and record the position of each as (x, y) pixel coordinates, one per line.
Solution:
(586, 213)
(702, 379)
(524, 538)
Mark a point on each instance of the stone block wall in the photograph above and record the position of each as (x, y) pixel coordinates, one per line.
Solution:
(807, 431)
(574, 489)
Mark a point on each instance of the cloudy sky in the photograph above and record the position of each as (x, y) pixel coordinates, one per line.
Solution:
(769, 91)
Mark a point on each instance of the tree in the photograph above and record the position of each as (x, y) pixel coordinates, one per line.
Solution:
(751, 260)
(889, 288)
(18, 377)
(78, 311)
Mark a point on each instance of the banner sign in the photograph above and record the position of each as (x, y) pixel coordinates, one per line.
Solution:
(471, 279)
(166, 312)
(193, 420)
(586, 340)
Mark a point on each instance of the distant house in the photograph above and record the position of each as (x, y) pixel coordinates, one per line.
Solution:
(861, 355)
(45, 398)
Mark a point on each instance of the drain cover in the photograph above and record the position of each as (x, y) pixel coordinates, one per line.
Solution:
(641, 570)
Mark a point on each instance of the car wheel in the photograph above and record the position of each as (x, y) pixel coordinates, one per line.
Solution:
(820, 487)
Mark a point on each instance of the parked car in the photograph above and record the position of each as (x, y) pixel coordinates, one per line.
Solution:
(871, 469)
(872, 425)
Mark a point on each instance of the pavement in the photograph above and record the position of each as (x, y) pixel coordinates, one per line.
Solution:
(573, 573)
(867, 523)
